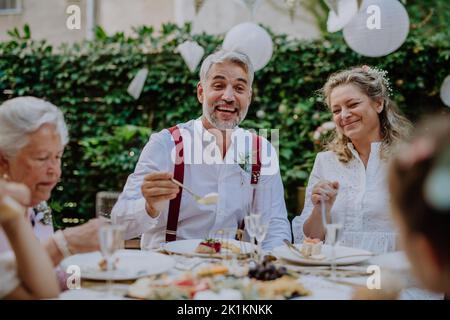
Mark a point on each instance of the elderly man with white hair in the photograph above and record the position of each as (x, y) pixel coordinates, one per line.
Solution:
(209, 155)
(32, 139)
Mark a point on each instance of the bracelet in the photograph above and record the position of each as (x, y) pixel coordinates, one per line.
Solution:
(61, 243)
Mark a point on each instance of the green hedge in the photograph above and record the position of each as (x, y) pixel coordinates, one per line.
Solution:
(108, 128)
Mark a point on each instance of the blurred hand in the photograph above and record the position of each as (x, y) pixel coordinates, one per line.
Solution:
(326, 191)
(157, 188)
(84, 238)
(14, 198)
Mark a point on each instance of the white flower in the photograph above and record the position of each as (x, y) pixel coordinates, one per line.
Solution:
(327, 126)
(316, 135)
(282, 108)
(245, 162)
(260, 114)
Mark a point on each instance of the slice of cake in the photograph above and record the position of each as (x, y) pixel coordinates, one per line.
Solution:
(229, 246)
(208, 246)
(311, 247)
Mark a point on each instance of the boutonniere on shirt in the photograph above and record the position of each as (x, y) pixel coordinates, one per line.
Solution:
(44, 213)
(245, 162)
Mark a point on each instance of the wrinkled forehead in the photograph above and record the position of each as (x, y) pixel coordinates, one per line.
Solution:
(45, 139)
(228, 70)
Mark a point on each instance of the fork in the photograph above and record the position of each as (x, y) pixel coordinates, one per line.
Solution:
(193, 194)
(296, 250)
(187, 265)
(292, 247)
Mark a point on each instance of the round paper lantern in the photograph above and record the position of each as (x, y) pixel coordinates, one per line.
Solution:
(379, 28)
(445, 91)
(252, 40)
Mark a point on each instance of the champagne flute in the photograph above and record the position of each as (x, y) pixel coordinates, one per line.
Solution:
(259, 209)
(261, 228)
(250, 224)
(111, 239)
(333, 227)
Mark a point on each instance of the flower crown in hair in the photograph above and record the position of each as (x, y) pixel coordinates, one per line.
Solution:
(376, 72)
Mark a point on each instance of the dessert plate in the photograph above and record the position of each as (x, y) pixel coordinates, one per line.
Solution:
(131, 264)
(187, 248)
(344, 255)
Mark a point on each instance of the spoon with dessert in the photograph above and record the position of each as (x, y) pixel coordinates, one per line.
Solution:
(210, 198)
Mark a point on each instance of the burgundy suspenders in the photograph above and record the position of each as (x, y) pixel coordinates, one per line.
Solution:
(256, 159)
(256, 167)
(174, 205)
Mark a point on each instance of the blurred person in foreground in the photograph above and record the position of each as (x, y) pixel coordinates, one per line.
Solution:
(27, 271)
(419, 183)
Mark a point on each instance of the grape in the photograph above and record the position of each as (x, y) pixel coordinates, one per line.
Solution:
(266, 271)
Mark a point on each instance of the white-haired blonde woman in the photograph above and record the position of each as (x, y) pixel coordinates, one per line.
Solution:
(32, 139)
(27, 272)
(350, 176)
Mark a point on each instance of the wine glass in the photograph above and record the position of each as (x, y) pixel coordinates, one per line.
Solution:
(111, 239)
(333, 226)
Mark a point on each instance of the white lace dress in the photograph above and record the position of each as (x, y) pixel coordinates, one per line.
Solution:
(362, 200)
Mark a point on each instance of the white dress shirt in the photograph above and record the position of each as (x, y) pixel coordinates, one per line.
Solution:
(362, 200)
(204, 172)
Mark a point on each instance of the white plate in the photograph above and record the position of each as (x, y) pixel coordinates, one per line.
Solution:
(394, 261)
(187, 247)
(285, 253)
(132, 264)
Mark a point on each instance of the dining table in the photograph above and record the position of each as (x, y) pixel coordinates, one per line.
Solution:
(348, 281)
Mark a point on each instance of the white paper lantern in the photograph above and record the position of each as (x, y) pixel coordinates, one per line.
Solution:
(137, 84)
(445, 91)
(192, 53)
(198, 5)
(338, 19)
(333, 5)
(379, 28)
(252, 40)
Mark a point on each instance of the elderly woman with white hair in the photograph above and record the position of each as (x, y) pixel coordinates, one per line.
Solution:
(32, 139)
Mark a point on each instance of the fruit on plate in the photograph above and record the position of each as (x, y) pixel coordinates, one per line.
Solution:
(266, 271)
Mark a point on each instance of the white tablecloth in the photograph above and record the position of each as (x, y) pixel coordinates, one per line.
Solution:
(321, 287)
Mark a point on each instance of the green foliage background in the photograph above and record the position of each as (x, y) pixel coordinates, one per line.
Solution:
(108, 128)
